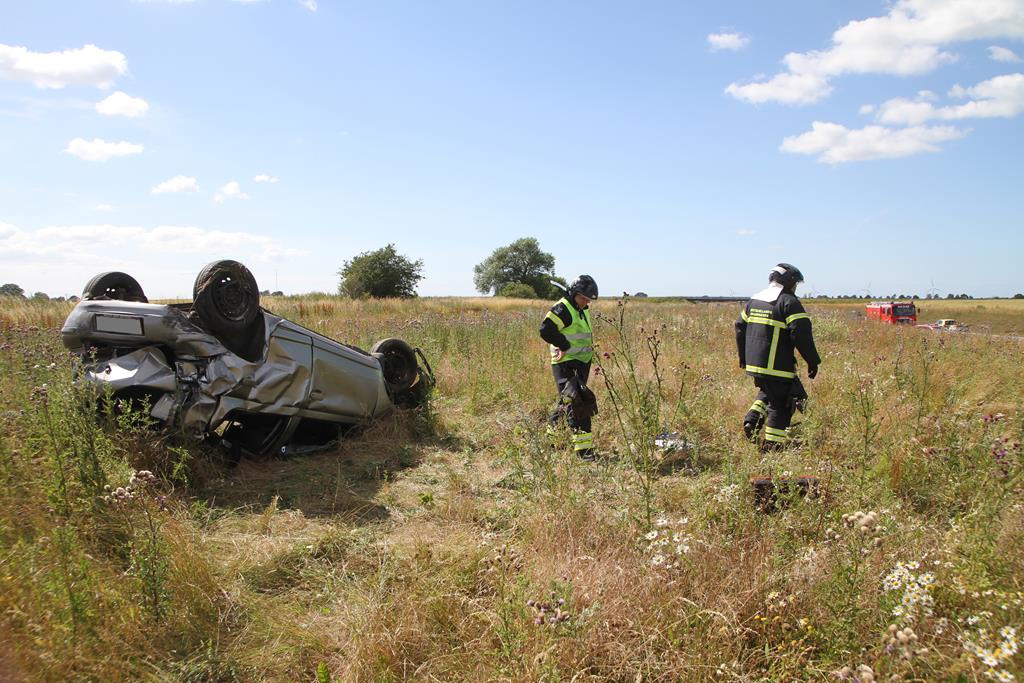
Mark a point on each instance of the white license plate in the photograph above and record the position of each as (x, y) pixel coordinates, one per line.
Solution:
(119, 324)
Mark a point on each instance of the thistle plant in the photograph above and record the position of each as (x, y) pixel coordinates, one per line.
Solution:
(640, 399)
(140, 507)
(864, 396)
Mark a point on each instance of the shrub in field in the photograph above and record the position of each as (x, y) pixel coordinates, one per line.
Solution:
(380, 273)
(517, 290)
(519, 263)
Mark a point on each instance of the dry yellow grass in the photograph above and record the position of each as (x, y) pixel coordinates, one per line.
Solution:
(411, 553)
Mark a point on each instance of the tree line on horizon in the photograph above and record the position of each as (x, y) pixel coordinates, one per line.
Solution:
(520, 270)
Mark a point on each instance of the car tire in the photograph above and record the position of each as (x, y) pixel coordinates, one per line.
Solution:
(397, 363)
(114, 285)
(227, 300)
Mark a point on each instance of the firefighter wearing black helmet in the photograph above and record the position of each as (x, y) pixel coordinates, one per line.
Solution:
(567, 329)
(771, 326)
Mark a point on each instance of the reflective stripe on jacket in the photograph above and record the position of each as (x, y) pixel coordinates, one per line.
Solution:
(578, 332)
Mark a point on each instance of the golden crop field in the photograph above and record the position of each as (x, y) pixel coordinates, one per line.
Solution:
(456, 542)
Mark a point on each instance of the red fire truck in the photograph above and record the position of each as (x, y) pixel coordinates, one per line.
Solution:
(893, 312)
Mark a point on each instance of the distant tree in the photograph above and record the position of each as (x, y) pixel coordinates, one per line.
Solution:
(277, 293)
(520, 262)
(1018, 295)
(11, 289)
(40, 296)
(518, 290)
(950, 296)
(640, 294)
(380, 273)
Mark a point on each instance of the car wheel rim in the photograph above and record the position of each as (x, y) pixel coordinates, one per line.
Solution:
(230, 298)
(396, 369)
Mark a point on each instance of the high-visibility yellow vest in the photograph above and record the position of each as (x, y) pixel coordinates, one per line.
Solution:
(578, 332)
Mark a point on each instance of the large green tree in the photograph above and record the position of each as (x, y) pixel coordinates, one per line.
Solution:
(11, 289)
(521, 262)
(380, 273)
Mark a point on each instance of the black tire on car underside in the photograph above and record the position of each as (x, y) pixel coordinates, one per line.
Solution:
(114, 285)
(227, 300)
(397, 363)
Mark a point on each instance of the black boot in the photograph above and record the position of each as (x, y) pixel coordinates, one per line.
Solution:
(750, 431)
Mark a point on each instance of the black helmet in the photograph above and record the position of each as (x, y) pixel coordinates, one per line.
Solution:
(786, 275)
(584, 285)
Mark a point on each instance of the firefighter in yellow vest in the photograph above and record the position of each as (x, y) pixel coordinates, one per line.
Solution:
(566, 328)
(771, 326)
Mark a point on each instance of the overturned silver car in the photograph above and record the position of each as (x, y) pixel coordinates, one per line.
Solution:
(223, 367)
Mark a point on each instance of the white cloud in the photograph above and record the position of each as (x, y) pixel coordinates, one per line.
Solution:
(836, 144)
(308, 4)
(120, 104)
(999, 97)
(1002, 54)
(231, 190)
(101, 150)
(902, 111)
(66, 244)
(785, 88)
(178, 183)
(908, 40)
(744, 232)
(89, 244)
(187, 239)
(265, 178)
(728, 41)
(87, 65)
(866, 109)
(106, 208)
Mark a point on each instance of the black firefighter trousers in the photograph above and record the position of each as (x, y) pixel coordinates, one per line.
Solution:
(582, 437)
(773, 408)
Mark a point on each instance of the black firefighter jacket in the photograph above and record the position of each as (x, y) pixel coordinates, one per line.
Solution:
(767, 332)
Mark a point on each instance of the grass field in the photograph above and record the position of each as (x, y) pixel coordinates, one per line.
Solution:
(455, 543)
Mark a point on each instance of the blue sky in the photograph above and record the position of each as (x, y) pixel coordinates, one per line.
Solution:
(668, 147)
